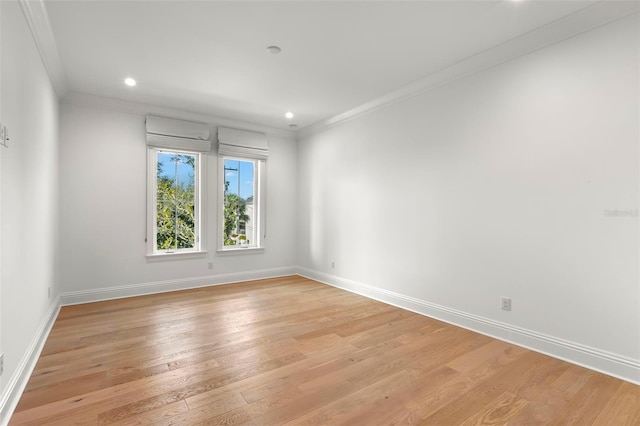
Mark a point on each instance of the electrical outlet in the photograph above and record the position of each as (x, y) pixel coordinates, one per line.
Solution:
(1, 364)
(505, 303)
(210, 265)
(333, 264)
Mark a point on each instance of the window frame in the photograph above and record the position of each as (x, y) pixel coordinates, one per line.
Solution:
(259, 201)
(199, 206)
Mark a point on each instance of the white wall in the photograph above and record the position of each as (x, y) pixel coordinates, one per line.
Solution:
(103, 202)
(29, 193)
(494, 185)
(1, 155)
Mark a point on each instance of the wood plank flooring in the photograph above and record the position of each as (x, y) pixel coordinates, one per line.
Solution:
(294, 351)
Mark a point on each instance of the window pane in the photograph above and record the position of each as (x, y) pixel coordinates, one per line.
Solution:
(165, 220)
(239, 211)
(185, 223)
(175, 205)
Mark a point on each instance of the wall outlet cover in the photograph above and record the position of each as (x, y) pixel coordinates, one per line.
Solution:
(505, 303)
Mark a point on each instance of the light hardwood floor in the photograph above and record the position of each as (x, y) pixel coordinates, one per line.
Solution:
(294, 351)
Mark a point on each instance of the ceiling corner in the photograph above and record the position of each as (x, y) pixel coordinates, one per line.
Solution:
(35, 14)
(594, 16)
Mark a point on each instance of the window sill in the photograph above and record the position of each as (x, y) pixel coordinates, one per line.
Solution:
(240, 250)
(159, 257)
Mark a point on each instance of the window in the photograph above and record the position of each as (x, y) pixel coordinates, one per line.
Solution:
(241, 202)
(241, 210)
(176, 160)
(174, 201)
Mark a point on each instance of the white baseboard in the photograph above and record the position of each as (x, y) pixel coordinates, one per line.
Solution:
(18, 381)
(14, 389)
(118, 292)
(605, 362)
(12, 392)
(595, 359)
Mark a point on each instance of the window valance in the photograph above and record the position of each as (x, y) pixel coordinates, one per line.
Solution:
(242, 143)
(169, 133)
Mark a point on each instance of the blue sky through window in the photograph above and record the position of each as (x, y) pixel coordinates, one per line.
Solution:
(239, 174)
(172, 165)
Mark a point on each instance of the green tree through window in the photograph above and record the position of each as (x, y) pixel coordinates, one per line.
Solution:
(235, 209)
(175, 201)
(239, 212)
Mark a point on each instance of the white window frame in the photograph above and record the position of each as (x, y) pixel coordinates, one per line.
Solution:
(199, 204)
(259, 201)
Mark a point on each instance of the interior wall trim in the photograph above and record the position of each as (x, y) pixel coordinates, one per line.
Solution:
(13, 390)
(615, 365)
(18, 381)
(118, 292)
(581, 21)
(596, 15)
(142, 109)
(35, 13)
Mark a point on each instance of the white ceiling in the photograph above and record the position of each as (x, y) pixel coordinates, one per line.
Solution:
(210, 57)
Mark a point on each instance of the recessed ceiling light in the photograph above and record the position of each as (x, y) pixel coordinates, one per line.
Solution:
(293, 126)
(274, 50)
(129, 82)
(289, 114)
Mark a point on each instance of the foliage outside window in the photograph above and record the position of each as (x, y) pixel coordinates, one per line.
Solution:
(239, 205)
(176, 221)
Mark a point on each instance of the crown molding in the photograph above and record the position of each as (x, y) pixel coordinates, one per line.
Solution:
(35, 13)
(117, 105)
(581, 21)
(596, 15)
